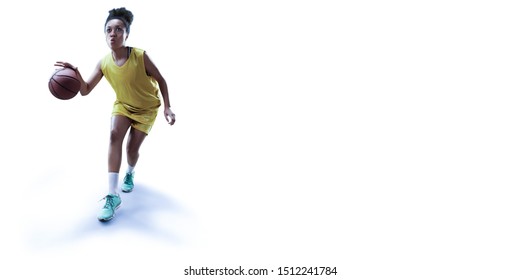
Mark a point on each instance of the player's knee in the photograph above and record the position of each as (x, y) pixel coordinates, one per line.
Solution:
(116, 136)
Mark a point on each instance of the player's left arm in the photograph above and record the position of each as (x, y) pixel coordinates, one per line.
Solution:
(154, 72)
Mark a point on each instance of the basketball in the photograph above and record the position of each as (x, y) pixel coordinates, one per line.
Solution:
(64, 84)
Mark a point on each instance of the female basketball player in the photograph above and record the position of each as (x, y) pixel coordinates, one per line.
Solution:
(136, 82)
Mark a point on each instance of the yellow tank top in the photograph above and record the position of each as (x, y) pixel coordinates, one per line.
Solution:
(134, 89)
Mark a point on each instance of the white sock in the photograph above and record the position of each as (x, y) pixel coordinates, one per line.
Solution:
(113, 179)
(130, 169)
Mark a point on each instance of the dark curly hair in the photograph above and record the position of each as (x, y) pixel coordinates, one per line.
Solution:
(122, 14)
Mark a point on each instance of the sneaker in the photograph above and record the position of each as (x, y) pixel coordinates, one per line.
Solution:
(128, 183)
(113, 201)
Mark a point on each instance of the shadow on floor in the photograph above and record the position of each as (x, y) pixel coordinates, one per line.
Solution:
(145, 212)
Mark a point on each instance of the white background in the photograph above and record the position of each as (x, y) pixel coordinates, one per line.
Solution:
(378, 137)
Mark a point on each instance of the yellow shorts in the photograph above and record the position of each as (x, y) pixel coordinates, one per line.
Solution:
(142, 120)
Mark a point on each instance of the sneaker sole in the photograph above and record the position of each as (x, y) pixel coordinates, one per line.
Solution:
(106, 220)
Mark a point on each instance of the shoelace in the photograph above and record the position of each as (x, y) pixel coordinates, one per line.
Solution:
(128, 179)
(109, 202)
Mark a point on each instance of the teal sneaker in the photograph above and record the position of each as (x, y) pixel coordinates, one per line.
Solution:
(128, 183)
(113, 202)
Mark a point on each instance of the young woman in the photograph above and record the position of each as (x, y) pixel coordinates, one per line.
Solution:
(136, 82)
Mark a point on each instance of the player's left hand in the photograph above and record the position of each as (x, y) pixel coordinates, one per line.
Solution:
(169, 115)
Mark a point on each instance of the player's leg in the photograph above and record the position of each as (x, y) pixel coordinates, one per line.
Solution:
(118, 130)
(135, 140)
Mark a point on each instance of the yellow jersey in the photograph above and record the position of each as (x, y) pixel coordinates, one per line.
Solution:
(134, 89)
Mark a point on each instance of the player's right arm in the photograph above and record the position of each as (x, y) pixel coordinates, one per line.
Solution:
(93, 80)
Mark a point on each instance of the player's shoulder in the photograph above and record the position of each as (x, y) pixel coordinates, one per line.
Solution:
(138, 51)
(105, 60)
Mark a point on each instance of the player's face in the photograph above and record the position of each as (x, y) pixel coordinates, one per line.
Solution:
(115, 33)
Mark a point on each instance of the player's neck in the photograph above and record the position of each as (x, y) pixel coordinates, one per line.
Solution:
(120, 53)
